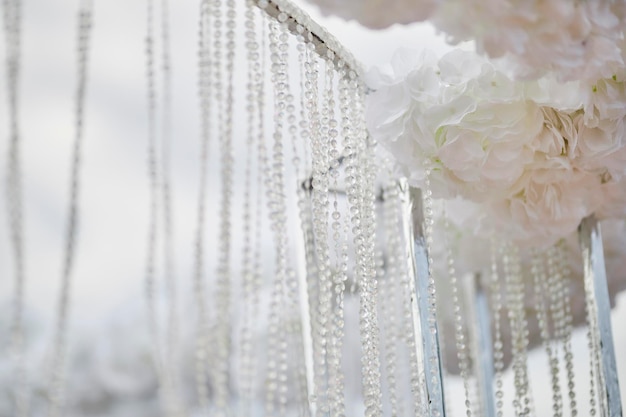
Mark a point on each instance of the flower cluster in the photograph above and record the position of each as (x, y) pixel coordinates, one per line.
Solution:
(575, 40)
(536, 156)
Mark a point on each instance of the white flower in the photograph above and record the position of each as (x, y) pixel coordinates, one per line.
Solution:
(575, 40)
(600, 148)
(614, 200)
(547, 204)
(605, 99)
(469, 122)
(528, 152)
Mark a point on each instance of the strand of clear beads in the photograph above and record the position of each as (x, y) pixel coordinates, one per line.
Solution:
(294, 282)
(593, 347)
(353, 180)
(319, 206)
(447, 398)
(289, 286)
(247, 281)
(519, 329)
(496, 313)
(382, 309)
(305, 58)
(354, 183)
(320, 151)
(150, 280)
(406, 359)
(277, 350)
(459, 330)
(303, 54)
(205, 95)
(262, 174)
(327, 104)
(271, 383)
(339, 277)
(542, 288)
(12, 30)
(417, 389)
(224, 91)
(361, 195)
(568, 354)
(551, 287)
(388, 297)
(171, 352)
(56, 399)
(262, 178)
(433, 355)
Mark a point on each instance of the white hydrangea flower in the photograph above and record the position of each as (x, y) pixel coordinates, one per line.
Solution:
(526, 151)
(605, 98)
(614, 198)
(547, 204)
(574, 40)
(466, 119)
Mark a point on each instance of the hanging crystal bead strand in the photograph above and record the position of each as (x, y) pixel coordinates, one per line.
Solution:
(262, 184)
(593, 347)
(411, 322)
(276, 385)
(291, 336)
(462, 349)
(299, 330)
(339, 277)
(319, 198)
(56, 398)
(362, 196)
(150, 272)
(271, 383)
(568, 354)
(552, 287)
(12, 30)
(309, 300)
(543, 288)
(224, 91)
(496, 313)
(204, 88)
(246, 381)
(262, 175)
(171, 361)
(388, 300)
(519, 329)
(326, 293)
(602, 349)
(437, 402)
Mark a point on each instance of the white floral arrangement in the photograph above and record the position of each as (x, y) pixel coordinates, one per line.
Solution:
(532, 158)
(574, 40)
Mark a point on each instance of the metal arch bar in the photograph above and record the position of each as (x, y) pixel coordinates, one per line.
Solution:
(590, 237)
(481, 343)
(418, 258)
(324, 42)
